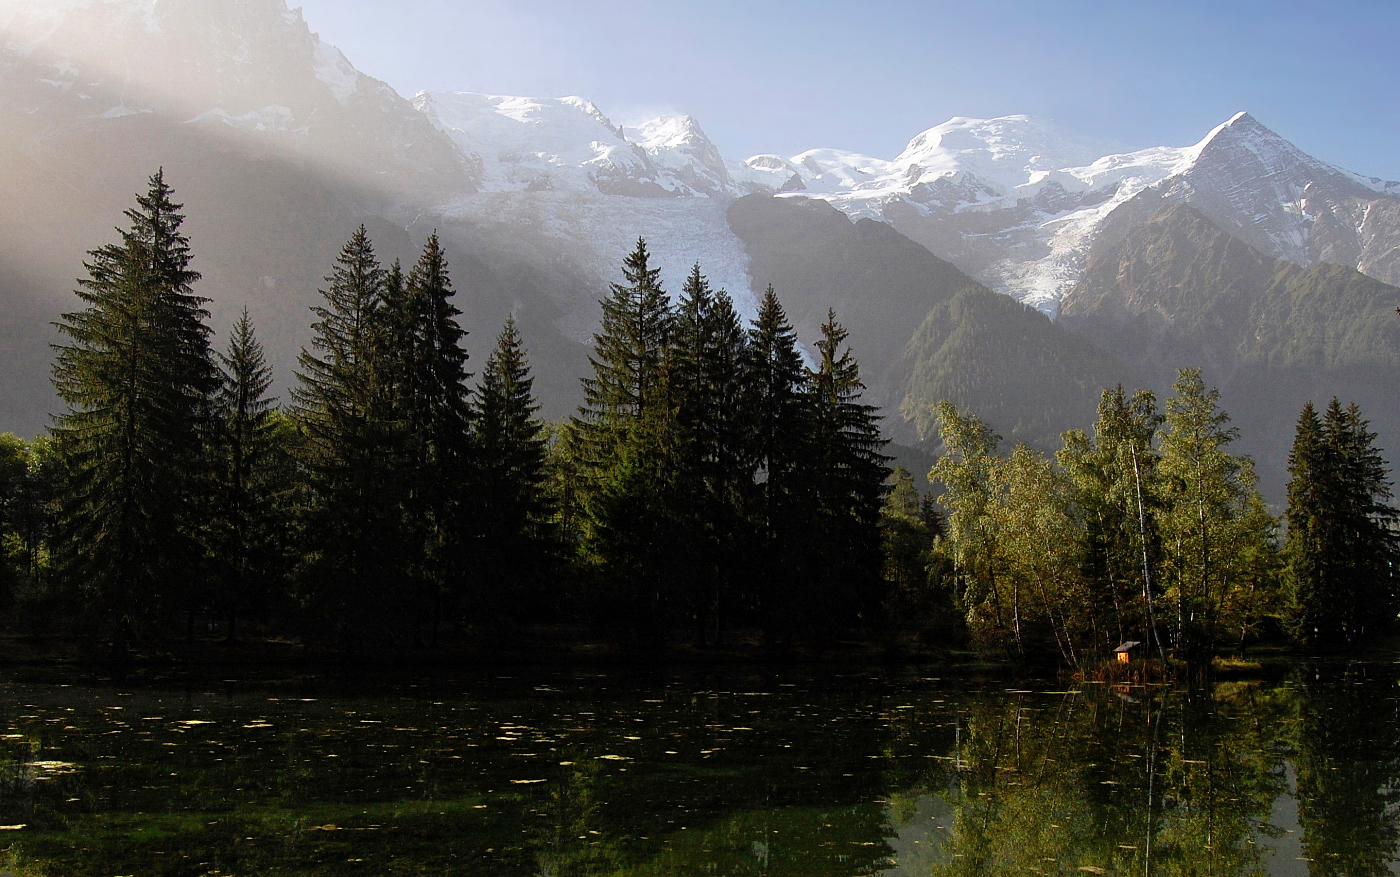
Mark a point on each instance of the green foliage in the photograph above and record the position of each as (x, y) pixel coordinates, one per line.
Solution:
(248, 525)
(516, 540)
(428, 364)
(712, 466)
(1072, 559)
(354, 448)
(776, 385)
(1342, 543)
(844, 471)
(988, 353)
(137, 377)
(14, 484)
(629, 354)
(918, 573)
(1114, 472)
(710, 459)
(1214, 533)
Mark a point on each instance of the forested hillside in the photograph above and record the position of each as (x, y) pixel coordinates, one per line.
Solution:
(1176, 289)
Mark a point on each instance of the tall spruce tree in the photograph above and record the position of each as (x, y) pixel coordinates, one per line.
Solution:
(435, 406)
(625, 446)
(354, 447)
(136, 375)
(776, 390)
(245, 530)
(1341, 545)
(845, 473)
(515, 547)
(1373, 543)
(629, 354)
(714, 476)
(1315, 614)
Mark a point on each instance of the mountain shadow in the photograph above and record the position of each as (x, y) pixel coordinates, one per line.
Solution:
(922, 329)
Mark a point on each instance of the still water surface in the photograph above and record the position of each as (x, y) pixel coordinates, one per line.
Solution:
(735, 773)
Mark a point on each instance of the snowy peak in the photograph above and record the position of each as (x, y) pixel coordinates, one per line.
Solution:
(1018, 203)
(568, 144)
(1274, 196)
(679, 145)
(1005, 152)
(530, 144)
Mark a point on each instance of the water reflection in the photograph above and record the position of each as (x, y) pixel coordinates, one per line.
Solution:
(728, 775)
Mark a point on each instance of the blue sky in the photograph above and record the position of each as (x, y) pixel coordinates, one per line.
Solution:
(787, 76)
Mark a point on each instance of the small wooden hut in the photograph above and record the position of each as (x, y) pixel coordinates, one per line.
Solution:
(1127, 651)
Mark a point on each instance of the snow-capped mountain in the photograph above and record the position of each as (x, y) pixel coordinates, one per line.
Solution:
(534, 145)
(562, 170)
(1018, 204)
(280, 147)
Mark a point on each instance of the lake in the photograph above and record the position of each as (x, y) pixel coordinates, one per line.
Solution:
(735, 772)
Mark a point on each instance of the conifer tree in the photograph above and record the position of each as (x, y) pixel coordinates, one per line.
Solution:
(1342, 545)
(353, 441)
(136, 376)
(713, 477)
(629, 353)
(625, 447)
(245, 530)
(844, 476)
(435, 407)
(510, 498)
(776, 382)
(1314, 612)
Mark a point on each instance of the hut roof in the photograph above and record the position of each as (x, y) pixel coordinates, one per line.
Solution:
(1128, 646)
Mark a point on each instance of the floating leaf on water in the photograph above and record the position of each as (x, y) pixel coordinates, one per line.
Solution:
(192, 723)
(614, 758)
(527, 782)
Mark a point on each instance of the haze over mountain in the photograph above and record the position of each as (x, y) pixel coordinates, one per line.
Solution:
(279, 147)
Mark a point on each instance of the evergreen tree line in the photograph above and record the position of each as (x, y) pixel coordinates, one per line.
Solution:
(715, 478)
(1149, 530)
(711, 479)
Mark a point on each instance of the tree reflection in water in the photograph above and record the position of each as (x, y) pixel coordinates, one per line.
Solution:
(743, 775)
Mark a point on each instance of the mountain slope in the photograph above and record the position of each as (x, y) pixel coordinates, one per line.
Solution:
(270, 196)
(923, 330)
(1178, 290)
